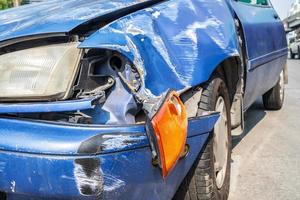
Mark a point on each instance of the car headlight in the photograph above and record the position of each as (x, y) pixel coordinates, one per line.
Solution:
(45, 72)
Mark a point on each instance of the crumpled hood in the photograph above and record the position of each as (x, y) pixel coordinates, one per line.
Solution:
(55, 16)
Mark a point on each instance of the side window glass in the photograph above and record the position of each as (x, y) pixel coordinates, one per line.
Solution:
(256, 2)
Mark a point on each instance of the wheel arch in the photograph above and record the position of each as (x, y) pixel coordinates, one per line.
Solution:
(232, 70)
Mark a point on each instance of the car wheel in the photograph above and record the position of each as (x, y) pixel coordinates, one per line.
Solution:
(298, 52)
(274, 98)
(209, 177)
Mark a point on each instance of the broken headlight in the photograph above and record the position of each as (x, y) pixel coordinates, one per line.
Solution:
(45, 72)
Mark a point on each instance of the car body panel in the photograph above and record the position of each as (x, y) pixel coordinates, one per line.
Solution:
(127, 175)
(67, 139)
(50, 162)
(44, 107)
(266, 47)
(50, 17)
(161, 40)
(175, 44)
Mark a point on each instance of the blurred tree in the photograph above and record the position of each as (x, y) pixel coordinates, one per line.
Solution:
(4, 4)
(16, 2)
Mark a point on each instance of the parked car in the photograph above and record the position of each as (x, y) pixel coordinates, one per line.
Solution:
(294, 47)
(131, 99)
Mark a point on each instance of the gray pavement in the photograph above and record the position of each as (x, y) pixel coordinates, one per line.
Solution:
(266, 159)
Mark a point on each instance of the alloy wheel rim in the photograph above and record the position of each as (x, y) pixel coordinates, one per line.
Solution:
(220, 143)
(281, 85)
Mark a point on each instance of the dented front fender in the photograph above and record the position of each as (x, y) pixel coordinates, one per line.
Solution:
(170, 49)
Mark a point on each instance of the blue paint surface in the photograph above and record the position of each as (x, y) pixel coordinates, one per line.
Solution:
(126, 175)
(52, 167)
(175, 44)
(55, 16)
(173, 50)
(266, 48)
(44, 107)
(65, 139)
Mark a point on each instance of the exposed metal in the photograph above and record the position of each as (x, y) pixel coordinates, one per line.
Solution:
(159, 48)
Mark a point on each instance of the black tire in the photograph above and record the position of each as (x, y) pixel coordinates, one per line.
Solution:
(298, 52)
(292, 55)
(200, 182)
(2, 196)
(273, 99)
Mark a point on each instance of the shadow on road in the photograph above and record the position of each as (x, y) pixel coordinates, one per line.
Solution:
(252, 117)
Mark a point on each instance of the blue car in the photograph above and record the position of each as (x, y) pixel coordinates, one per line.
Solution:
(132, 99)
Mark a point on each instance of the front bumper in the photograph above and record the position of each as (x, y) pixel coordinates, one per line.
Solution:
(40, 160)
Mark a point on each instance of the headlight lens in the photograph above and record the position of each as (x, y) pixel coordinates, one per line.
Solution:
(39, 73)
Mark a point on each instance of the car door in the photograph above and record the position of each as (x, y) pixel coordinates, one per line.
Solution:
(266, 45)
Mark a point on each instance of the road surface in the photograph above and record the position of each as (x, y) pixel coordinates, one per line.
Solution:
(266, 159)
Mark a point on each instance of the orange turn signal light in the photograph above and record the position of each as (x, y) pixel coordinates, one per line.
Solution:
(170, 125)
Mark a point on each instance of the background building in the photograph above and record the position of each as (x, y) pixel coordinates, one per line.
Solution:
(292, 23)
(295, 8)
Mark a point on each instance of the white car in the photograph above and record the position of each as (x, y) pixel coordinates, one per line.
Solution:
(295, 47)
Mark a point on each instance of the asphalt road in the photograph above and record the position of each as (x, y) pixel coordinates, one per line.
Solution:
(266, 159)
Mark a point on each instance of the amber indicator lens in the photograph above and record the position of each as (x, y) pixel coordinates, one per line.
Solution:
(170, 126)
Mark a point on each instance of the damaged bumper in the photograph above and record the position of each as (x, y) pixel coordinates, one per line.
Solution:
(87, 161)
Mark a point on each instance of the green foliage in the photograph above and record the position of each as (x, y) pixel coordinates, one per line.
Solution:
(4, 4)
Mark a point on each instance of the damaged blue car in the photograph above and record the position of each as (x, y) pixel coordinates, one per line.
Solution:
(131, 99)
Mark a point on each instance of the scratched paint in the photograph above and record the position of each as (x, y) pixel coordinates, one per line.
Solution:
(2, 166)
(13, 186)
(62, 174)
(112, 183)
(170, 49)
(121, 141)
(90, 179)
(175, 44)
